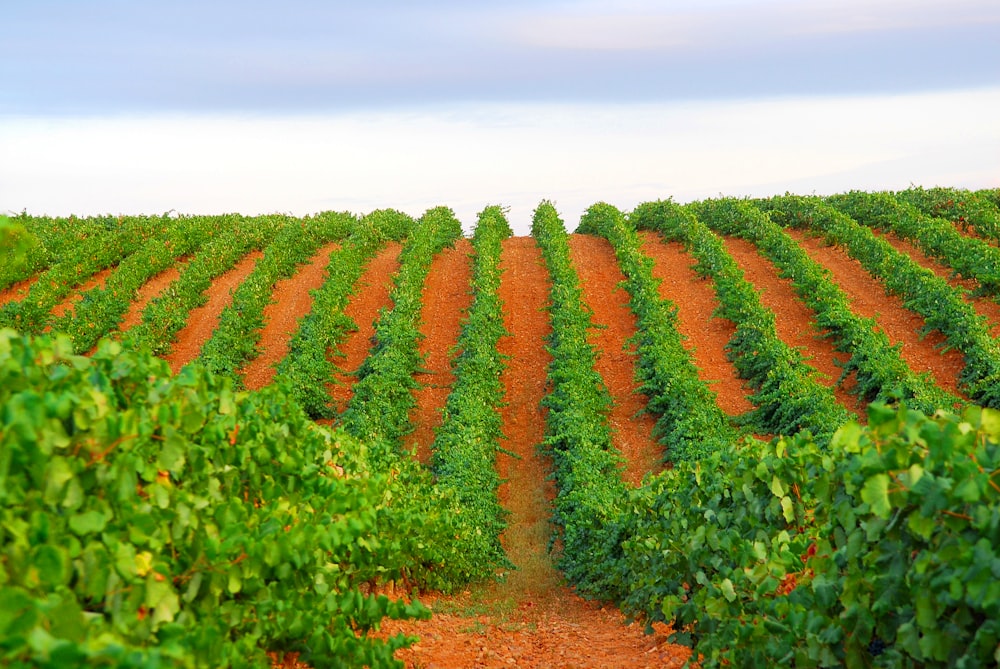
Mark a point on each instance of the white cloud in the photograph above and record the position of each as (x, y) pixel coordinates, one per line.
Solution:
(515, 155)
(643, 26)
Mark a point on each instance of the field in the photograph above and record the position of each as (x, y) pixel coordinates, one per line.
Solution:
(765, 430)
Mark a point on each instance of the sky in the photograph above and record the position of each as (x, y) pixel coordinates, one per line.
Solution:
(202, 106)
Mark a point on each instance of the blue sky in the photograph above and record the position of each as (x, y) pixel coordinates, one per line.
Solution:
(202, 106)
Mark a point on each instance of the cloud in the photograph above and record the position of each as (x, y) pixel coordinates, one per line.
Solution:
(472, 155)
(649, 26)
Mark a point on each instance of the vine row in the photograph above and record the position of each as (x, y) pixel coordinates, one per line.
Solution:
(932, 297)
(464, 450)
(786, 394)
(880, 373)
(968, 257)
(235, 341)
(689, 421)
(306, 370)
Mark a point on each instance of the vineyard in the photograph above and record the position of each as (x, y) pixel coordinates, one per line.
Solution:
(766, 430)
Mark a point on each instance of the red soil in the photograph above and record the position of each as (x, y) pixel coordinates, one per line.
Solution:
(447, 297)
(706, 335)
(96, 281)
(203, 320)
(531, 619)
(868, 298)
(145, 295)
(17, 291)
(370, 295)
(793, 319)
(632, 431)
(290, 301)
(988, 308)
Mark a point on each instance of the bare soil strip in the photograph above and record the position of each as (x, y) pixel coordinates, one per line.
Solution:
(706, 335)
(531, 620)
(371, 294)
(794, 320)
(203, 320)
(17, 291)
(149, 290)
(96, 281)
(984, 306)
(632, 432)
(446, 298)
(868, 299)
(290, 301)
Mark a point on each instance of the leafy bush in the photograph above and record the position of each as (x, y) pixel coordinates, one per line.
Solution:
(153, 521)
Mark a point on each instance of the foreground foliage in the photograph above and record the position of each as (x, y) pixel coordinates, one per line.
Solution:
(150, 520)
(880, 549)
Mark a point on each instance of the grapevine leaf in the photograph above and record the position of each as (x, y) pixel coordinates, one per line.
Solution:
(876, 493)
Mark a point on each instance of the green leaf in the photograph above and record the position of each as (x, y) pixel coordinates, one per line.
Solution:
(876, 494)
(84, 523)
(777, 489)
(921, 525)
(57, 474)
(787, 509)
(727, 590)
(968, 490)
(51, 563)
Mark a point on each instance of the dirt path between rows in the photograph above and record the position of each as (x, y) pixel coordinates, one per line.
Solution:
(447, 296)
(203, 320)
(68, 305)
(17, 291)
(371, 293)
(291, 300)
(984, 306)
(531, 620)
(706, 335)
(147, 292)
(868, 298)
(793, 319)
(632, 432)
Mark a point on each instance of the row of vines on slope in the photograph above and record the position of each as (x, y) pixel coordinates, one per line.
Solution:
(787, 396)
(378, 414)
(307, 369)
(968, 257)
(464, 450)
(689, 421)
(880, 372)
(932, 297)
(167, 314)
(577, 437)
(807, 553)
(970, 210)
(101, 310)
(94, 251)
(235, 341)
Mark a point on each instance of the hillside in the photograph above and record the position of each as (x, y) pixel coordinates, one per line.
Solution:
(781, 315)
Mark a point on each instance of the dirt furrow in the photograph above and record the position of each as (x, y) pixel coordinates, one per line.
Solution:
(706, 335)
(371, 294)
(147, 292)
(531, 620)
(17, 291)
(868, 299)
(150, 290)
(290, 301)
(203, 320)
(446, 298)
(68, 305)
(793, 319)
(632, 432)
(984, 306)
